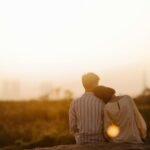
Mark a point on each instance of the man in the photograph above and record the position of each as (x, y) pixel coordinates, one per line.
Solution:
(86, 113)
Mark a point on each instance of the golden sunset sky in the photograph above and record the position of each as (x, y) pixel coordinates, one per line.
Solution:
(59, 40)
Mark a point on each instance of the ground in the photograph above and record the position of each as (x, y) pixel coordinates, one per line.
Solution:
(105, 146)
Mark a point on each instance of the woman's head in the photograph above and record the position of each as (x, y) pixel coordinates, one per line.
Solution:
(104, 93)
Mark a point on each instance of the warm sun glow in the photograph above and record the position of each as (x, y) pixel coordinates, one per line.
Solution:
(78, 36)
(113, 131)
(59, 40)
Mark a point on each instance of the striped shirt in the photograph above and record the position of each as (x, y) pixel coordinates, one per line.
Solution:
(86, 119)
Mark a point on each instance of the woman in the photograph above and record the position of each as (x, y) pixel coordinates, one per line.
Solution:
(122, 116)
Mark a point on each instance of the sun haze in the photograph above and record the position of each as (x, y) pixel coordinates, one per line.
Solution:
(59, 40)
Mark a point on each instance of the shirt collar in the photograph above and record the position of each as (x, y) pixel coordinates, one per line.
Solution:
(88, 93)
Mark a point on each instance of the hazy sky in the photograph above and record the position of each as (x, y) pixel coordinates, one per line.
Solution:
(58, 40)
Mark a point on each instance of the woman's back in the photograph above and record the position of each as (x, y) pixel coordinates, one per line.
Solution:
(122, 113)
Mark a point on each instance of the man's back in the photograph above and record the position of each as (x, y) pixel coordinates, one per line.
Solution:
(86, 119)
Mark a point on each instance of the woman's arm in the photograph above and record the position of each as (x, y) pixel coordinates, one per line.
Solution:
(72, 119)
(107, 123)
(141, 124)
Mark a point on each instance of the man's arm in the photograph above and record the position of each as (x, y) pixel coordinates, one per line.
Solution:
(72, 119)
(103, 132)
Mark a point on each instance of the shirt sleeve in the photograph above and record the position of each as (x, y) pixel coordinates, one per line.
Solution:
(72, 118)
(141, 124)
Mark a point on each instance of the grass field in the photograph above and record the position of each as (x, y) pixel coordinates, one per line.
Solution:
(28, 124)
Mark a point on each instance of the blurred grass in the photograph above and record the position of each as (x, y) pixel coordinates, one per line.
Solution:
(39, 123)
(145, 111)
(34, 123)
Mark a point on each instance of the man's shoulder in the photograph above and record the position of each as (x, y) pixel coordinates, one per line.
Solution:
(85, 97)
(76, 100)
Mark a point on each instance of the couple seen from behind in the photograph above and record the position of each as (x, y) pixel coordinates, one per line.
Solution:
(99, 116)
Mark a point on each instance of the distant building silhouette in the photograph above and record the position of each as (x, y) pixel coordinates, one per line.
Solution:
(68, 94)
(10, 89)
(144, 80)
(45, 87)
(146, 92)
(146, 89)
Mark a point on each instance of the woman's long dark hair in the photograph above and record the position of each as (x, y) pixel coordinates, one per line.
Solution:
(104, 93)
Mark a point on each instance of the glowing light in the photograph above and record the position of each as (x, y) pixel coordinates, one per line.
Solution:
(113, 131)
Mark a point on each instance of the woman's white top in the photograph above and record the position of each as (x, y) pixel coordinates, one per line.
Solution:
(125, 114)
